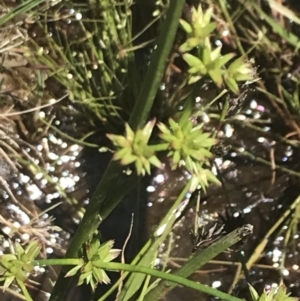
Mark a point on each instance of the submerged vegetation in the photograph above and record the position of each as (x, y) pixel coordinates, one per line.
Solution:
(201, 99)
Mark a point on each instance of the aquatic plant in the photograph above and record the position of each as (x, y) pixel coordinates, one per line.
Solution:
(102, 79)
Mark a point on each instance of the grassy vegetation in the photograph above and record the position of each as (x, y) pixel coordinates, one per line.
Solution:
(140, 88)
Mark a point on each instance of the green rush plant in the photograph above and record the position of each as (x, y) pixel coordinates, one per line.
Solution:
(185, 143)
(98, 258)
(183, 140)
(209, 62)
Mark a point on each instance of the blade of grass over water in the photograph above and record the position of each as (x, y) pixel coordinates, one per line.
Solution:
(283, 10)
(286, 35)
(115, 184)
(172, 279)
(223, 5)
(157, 66)
(263, 243)
(197, 261)
(148, 253)
(261, 246)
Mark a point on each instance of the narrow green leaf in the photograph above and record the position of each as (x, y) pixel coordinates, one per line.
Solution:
(147, 130)
(155, 161)
(147, 167)
(192, 60)
(232, 85)
(105, 278)
(199, 69)
(253, 293)
(206, 56)
(186, 26)
(203, 32)
(129, 132)
(215, 54)
(163, 128)
(276, 27)
(97, 274)
(225, 59)
(127, 159)
(207, 16)
(8, 281)
(212, 178)
(194, 79)
(235, 65)
(74, 270)
(139, 168)
(117, 140)
(243, 77)
(198, 260)
(19, 249)
(189, 44)
(216, 76)
(20, 9)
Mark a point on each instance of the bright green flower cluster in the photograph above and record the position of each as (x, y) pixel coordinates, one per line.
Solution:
(189, 146)
(19, 265)
(210, 61)
(200, 27)
(134, 148)
(91, 271)
(238, 71)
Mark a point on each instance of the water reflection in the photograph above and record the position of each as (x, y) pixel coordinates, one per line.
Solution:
(249, 188)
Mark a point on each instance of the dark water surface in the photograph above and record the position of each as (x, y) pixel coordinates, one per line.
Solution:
(255, 189)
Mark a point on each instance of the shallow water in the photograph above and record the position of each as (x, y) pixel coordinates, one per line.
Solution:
(251, 187)
(73, 171)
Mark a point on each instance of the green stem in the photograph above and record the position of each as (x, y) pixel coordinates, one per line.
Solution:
(179, 277)
(170, 278)
(174, 279)
(147, 255)
(81, 142)
(59, 261)
(223, 6)
(24, 290)
(114, 183)
(266, 162)
(157, 66)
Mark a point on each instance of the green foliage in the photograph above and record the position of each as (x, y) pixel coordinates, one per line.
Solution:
(198, 30)
(98, 258)
(275, 294)
(238, 71)
(209, 61)
(187, 145)
(19, 265)
(186, 142)
(134, 148)
(90, 268)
